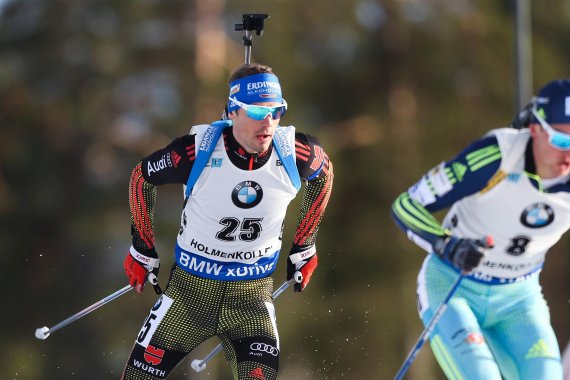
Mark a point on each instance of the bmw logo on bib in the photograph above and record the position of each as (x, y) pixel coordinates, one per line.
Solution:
(537, 215)
(247, 194)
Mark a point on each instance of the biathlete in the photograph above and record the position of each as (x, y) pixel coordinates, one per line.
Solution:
(240, 175)
(513, 185)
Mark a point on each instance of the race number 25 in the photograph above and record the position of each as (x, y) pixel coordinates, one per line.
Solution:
(247, 229)
(153, 320)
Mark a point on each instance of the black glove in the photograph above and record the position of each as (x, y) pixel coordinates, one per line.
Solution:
(464, 254)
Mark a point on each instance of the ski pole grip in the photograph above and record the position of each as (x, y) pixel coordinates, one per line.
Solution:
(154, 282)
(298, 276)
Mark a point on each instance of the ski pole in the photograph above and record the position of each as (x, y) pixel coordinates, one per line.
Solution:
(428, 330)
(199, 365)
(43, 332)
(485, 243)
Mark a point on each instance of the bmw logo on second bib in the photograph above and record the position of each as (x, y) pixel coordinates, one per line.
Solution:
(247, 194)
(537, 215)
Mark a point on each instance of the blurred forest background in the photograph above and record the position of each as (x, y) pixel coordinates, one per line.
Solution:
(391, 88)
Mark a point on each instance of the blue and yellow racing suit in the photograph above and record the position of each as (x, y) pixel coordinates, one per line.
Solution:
(497, 324)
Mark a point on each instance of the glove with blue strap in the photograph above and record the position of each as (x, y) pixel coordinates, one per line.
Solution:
(464, 254)
(142, 266)
(301, 264)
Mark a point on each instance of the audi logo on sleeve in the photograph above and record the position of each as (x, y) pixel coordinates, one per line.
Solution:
(263, 347)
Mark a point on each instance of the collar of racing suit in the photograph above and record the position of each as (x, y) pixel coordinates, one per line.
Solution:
(238, 155)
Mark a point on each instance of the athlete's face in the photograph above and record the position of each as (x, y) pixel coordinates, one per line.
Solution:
(550, 161)
(254, 135)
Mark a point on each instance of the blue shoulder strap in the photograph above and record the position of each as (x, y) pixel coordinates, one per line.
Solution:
(203, 154)
(285, 153)
(210, 139)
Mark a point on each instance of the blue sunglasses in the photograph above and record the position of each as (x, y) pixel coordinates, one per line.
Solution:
(260, 112)
(556, 138)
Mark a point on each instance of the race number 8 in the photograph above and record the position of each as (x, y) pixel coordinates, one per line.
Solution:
(518, 245)
(249, 229)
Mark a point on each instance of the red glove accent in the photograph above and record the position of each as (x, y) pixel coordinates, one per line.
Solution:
(489, 241)
(301, 260)
(307, 271)
(135, 272)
